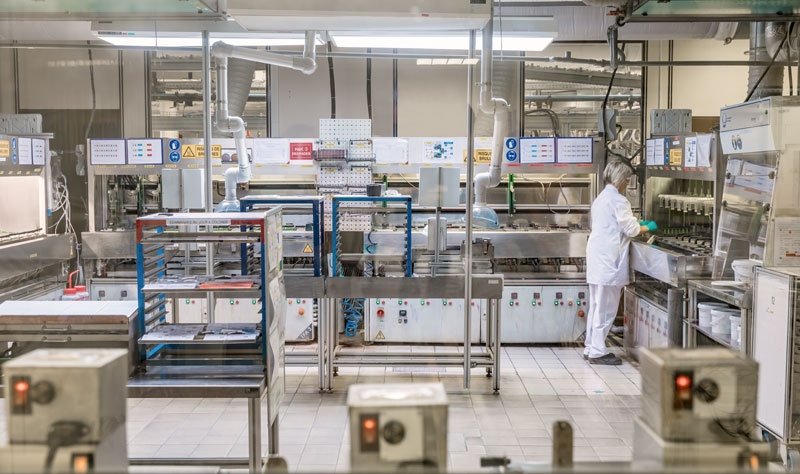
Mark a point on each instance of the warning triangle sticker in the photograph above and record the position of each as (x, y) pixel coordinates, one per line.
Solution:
(187, 152)
(307, 249)
(380, 336)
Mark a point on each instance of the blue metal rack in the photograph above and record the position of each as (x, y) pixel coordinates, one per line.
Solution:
(335, 234)
(151, 263)
(317, 204)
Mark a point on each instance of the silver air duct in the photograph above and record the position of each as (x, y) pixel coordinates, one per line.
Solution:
(483, 215)
(764, 38)
(240, 80)
(225, 122)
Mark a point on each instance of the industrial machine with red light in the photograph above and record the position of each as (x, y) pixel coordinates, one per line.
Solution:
(396, 427)
(66, 411)
(698, 409)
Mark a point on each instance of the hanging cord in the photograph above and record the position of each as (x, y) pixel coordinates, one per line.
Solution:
(369, 84)
(333, 83)
(94, 97)
(771, 62)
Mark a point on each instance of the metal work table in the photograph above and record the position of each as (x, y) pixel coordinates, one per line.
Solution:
(488, 287)
(210, 382)
(742, 299)
(308, 287)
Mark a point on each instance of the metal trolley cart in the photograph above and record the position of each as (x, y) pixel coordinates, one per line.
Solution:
(201, 350)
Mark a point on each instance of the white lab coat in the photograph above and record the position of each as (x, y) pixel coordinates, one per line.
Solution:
(613, 227)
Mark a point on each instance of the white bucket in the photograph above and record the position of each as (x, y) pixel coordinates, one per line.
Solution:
(736, 329)
(704, 312)
(721, 320)
(743, 270)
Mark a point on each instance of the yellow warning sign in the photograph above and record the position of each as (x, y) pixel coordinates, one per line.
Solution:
(481, 156)
(198, 151)
(5, 149)
(675, 157)
(307, 249)
(380, 336)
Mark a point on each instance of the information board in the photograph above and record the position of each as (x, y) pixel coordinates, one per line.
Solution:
(145, 151)
(537, 150)
(107, 152)
(574, 150)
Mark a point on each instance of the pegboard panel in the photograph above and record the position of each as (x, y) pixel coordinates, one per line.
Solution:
(348, 221)
(345, 129)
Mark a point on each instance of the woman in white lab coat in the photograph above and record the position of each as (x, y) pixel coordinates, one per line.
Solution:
(613, 227)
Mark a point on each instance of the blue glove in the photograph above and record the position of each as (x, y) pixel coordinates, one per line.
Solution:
(651, 226)
(643, 222)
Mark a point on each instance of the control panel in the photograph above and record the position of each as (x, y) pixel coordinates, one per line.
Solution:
(544, 314)
(300, 319)
(22, 156)
(116, 291)
(423, 320)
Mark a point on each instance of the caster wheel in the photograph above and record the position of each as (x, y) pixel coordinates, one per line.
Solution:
(488, 372)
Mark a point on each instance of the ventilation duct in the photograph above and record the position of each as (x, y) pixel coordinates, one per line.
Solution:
(762, 36)
(240, 80)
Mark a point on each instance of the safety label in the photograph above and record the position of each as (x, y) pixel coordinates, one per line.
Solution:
(675, 157)
(380, 336)
(5, 148)
(307, 249)
(481, 156)
(300, 151)
(198, 151)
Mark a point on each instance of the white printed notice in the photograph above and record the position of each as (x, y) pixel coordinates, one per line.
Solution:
(659, 154)
(25, 151)
(438, 150)
(787, 248)
(390, 150)
(270, 151)
(651, 152)
(704, 150)
(690, 152)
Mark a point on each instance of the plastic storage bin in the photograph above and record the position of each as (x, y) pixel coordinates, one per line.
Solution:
(704, 312)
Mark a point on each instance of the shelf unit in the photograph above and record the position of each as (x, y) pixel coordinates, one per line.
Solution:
(259, 233)
(336, 209)
(703, 291)
(317, 204)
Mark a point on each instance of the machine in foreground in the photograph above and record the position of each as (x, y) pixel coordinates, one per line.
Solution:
(66, 411)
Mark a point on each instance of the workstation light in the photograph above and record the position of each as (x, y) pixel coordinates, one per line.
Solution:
(186, 40)
(443, 42)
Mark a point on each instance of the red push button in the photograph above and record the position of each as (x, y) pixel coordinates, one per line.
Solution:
(380, 313)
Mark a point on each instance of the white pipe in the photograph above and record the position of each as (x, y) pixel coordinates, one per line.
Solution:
(491, 105)
(224, 122)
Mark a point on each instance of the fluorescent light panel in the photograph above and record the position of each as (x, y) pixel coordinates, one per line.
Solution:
(506, 42)
(189, 41)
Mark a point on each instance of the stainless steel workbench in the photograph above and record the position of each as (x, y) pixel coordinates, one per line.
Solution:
(210, 382)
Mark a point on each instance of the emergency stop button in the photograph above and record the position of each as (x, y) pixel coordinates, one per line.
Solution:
(380, 313)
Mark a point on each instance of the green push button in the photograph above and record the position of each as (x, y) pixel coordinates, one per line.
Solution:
(555, 303)
(444, 302)
(533, 303)
(187, 301)
(231, 301)
(422, 302)
(511, 303)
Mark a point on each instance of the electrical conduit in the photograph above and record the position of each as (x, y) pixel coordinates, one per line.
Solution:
(226, 123)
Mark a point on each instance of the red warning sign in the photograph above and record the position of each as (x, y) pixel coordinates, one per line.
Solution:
(300, 150)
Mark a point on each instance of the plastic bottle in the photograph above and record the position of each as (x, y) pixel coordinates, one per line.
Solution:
(70, 294)
(82, 294)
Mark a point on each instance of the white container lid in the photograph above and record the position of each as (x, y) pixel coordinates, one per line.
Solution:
(712, 305)
(728, 311)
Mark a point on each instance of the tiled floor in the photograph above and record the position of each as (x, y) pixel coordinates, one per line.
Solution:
(538, 387)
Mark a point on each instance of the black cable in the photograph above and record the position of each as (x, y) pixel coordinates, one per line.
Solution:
(369, 84)
(333, 83)
(94, 96)
(769, 66)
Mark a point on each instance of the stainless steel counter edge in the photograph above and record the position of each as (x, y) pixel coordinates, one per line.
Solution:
(483, 286)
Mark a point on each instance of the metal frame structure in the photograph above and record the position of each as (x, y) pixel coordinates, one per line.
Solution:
(336, 233)
(739, 299)
(151, 262)
(317, 204)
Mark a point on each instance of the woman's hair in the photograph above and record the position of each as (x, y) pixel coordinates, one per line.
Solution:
(616, 173)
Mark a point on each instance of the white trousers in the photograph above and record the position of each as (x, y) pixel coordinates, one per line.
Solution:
(603, 304)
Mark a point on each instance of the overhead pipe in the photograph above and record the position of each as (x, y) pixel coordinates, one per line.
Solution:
(500, 108)
(226, 123)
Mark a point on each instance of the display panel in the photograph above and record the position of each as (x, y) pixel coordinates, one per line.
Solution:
(574, 150)
(107, 152)
(145, 151)
(537, 150)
